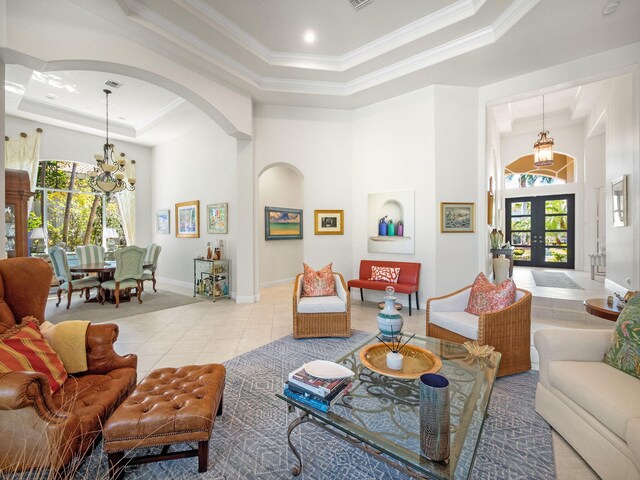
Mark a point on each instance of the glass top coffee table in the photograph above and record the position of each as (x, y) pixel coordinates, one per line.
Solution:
(381, 415)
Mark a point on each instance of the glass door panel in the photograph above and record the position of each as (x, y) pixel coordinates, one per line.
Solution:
(541, 230)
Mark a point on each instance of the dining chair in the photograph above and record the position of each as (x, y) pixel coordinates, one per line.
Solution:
(90, 254)
(128, 274)
(153, 252)
(67, 283)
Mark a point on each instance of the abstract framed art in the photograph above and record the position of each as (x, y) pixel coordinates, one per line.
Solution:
(282, 223)
(217, 218)
(188, 219)
(163, 225)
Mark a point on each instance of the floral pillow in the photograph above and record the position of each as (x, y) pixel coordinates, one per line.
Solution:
(318, 284)
(385, 274)
(486, 297)
(22, 349)
(624, 351)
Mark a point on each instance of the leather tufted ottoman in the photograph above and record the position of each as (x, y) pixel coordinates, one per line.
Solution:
(171, 405)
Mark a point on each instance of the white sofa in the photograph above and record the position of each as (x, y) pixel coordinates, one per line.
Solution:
(595, 407)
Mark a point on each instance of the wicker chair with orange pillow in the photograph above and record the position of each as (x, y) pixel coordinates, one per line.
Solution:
(321, 304)
(507, 329)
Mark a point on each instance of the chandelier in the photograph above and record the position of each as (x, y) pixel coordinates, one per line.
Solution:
(543, 148)
(109, 174)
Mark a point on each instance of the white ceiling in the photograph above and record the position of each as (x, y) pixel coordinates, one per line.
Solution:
(382, 50)
(138, 111)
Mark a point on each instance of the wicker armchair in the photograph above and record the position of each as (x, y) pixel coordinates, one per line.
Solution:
(508, 330)
(322, 316)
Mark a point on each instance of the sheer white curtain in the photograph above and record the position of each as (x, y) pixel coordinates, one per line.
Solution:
(127, 206)
(23, 153)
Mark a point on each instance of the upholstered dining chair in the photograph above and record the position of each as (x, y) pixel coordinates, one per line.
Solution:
(328, 316)
(67, 283)
(90, 254)
(508, 330)
(151, 257)
(128, 274)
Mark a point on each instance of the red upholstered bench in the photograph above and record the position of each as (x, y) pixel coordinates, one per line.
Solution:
(408, 280)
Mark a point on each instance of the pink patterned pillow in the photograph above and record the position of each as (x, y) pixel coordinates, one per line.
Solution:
(486, 297)
(318, 284)
(385, 274)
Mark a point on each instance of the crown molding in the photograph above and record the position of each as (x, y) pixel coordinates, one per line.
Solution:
(467, 43)
(443, 18)
(76, 117)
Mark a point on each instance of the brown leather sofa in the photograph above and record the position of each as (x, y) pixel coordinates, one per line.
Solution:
(38, 429)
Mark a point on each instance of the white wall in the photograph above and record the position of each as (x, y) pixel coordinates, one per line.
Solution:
(393, 149)
(317, 143)
(200, 166)
(594, 179)
(64, 144)
(622, 147)
(280, 260)
(458, 175)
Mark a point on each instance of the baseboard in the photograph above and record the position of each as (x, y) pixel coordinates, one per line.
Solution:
(175, 283)
(248, 299)
(275, 283)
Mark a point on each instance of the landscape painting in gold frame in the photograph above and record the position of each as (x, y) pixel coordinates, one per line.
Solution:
(188, 219)
(457, 217)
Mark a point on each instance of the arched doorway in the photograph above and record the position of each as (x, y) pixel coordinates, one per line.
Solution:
(279, 185)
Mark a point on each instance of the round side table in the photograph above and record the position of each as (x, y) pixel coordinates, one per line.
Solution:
(599, 308)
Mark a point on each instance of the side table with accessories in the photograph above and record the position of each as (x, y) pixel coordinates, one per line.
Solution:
(211, 278)
(599, 307)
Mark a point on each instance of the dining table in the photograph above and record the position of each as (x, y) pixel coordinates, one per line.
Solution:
(104, 271)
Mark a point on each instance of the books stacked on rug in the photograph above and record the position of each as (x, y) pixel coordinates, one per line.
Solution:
(319, 393)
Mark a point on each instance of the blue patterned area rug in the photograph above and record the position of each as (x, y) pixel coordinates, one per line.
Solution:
(250, 439)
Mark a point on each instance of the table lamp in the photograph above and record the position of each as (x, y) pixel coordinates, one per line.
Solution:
(36, 235)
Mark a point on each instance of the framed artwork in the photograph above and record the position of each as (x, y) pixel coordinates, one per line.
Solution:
(163, 227)
(217, 217)
(391, 222)
(457, 217)
(619, 201)
(282, 223)
(188, 219)
(329, 222)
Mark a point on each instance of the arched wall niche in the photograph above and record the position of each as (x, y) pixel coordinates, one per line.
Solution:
(279, 185)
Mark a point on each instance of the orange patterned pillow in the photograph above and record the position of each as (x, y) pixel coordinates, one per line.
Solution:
(318, 284)
(486, 297)
(385, 274)
(22, 349)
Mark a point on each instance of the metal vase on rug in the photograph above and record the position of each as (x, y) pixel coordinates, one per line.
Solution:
(434, 416)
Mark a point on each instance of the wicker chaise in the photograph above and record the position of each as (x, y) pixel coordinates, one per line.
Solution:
(508, 330)
(322, 316)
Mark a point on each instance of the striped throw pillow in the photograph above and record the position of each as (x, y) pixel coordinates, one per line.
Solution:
(22, 349)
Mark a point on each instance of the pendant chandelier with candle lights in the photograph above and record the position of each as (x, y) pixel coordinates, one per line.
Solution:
(543, 148)
(109, 174)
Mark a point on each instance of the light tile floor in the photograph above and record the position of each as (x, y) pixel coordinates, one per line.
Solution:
(209, 332)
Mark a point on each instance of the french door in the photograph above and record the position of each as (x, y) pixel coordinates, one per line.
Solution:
(542, 230)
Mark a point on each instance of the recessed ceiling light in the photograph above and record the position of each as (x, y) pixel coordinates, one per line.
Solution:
(310, 36)
(610, 6)
(51, 96)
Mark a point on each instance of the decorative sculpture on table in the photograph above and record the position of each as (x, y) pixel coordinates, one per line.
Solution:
(389, 319)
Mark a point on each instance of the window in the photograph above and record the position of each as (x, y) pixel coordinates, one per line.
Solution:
(73, 213)
(522, 173)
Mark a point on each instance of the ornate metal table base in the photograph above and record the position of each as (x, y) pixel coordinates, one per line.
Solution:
(304, 417)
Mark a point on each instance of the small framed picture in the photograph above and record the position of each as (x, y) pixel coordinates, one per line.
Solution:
(163, 227)
(282, 223)
(329, 222)
(217, 218)
(457, 217)
(619, 201)
(188, 219)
